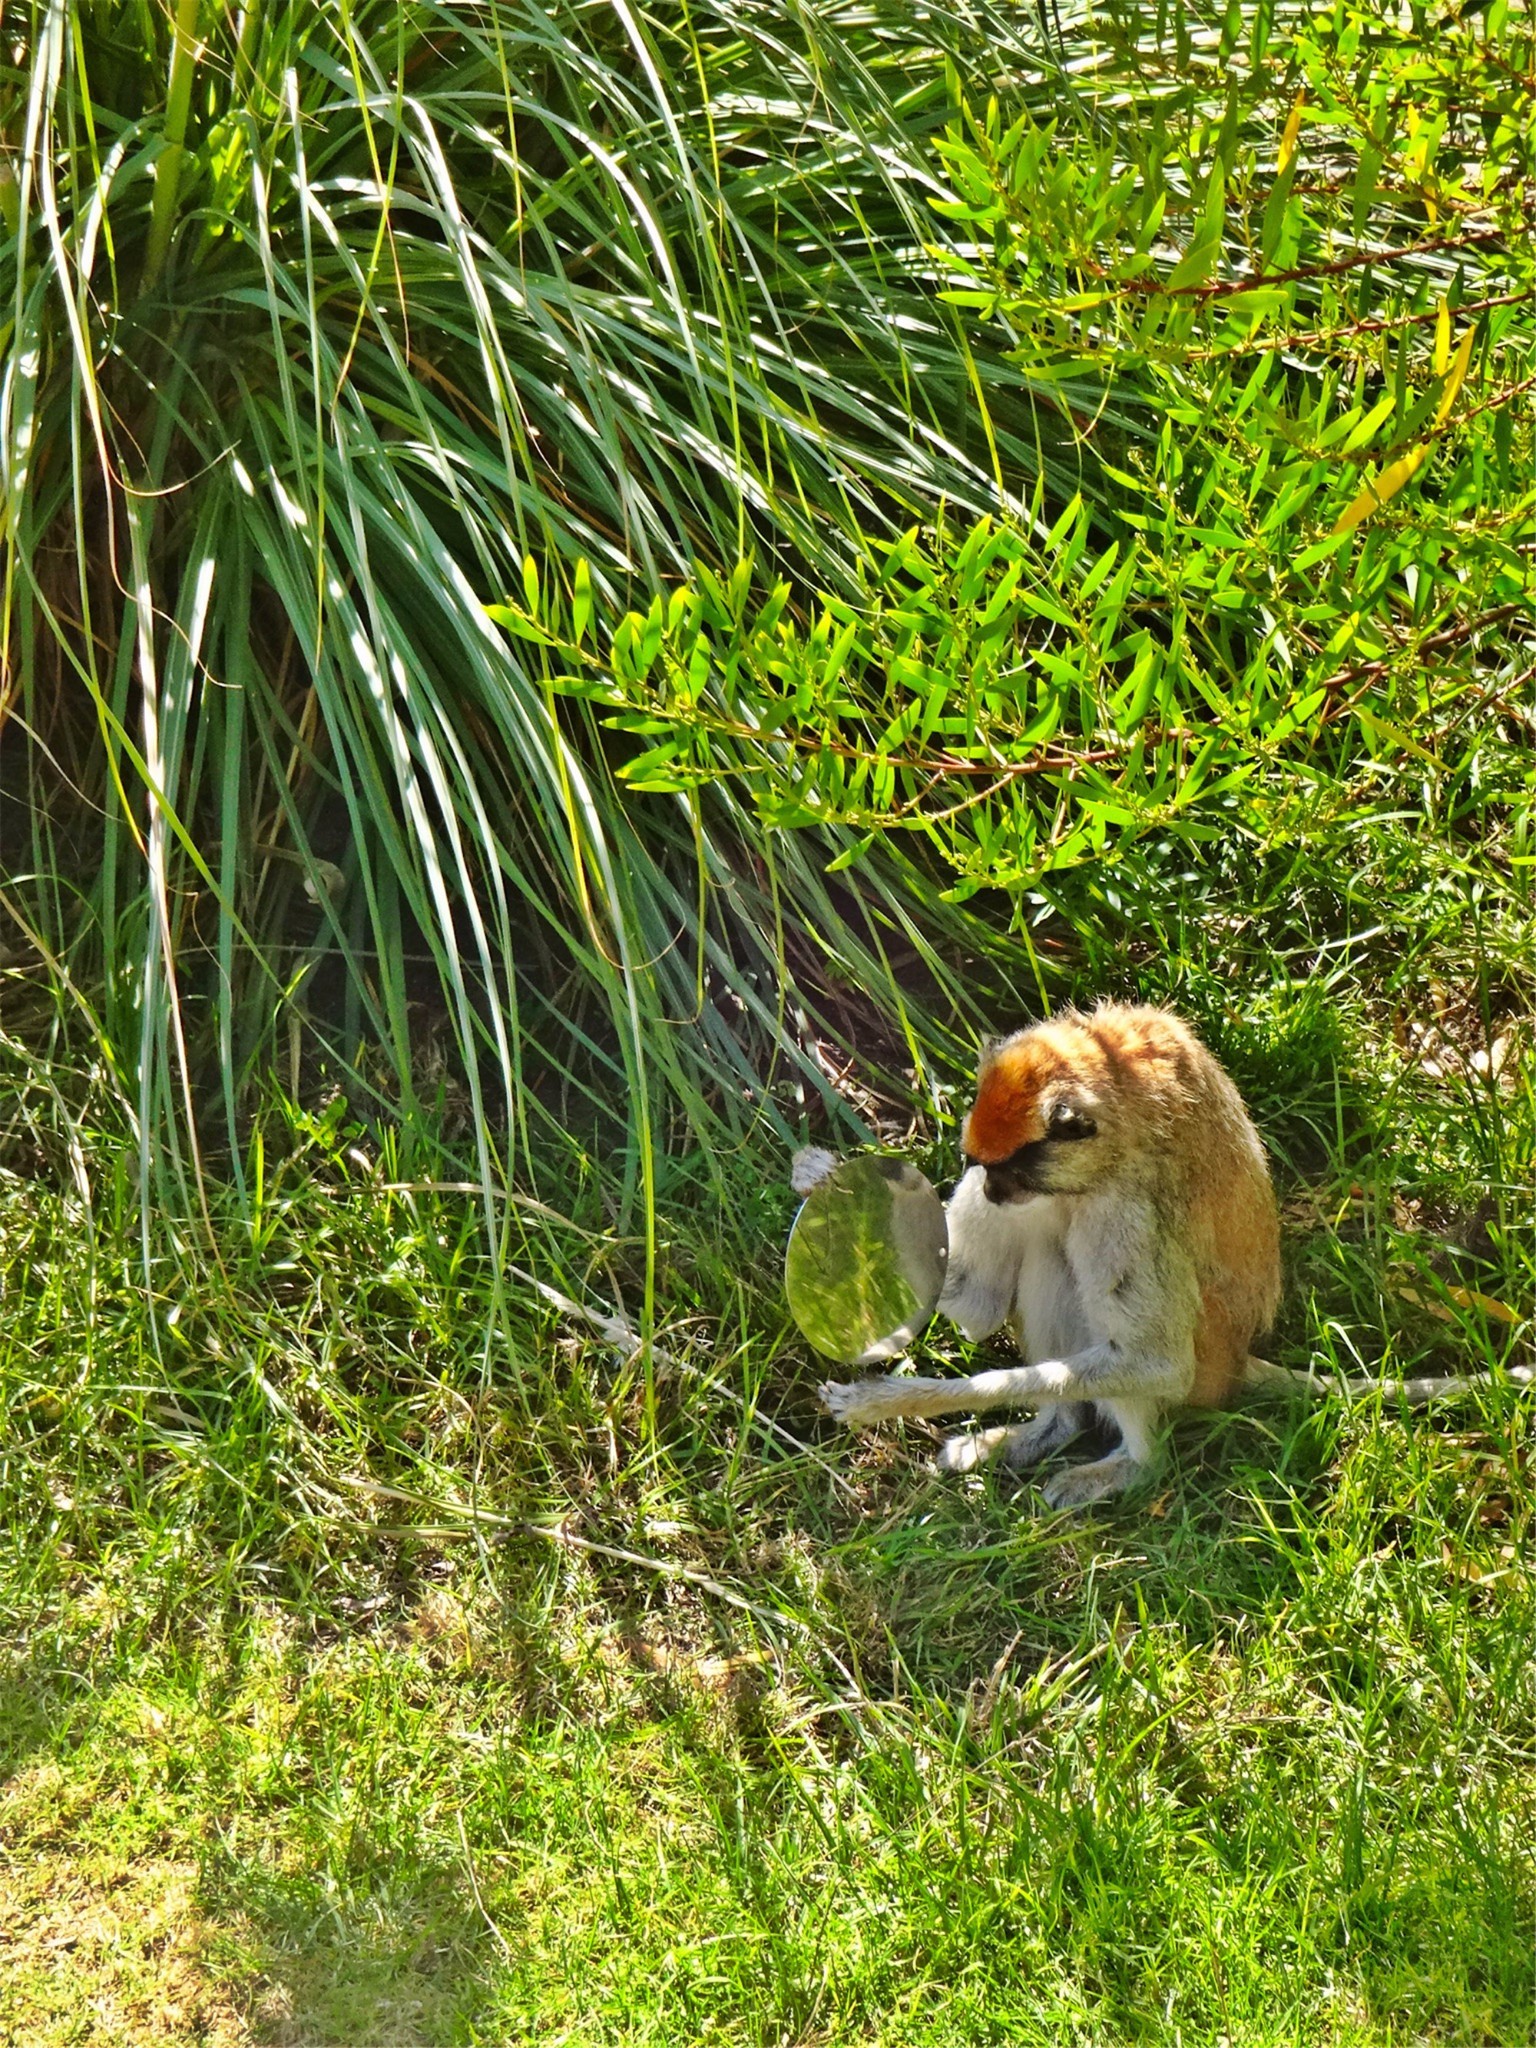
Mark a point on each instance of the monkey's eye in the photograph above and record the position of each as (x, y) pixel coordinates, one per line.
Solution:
(1066, 1122)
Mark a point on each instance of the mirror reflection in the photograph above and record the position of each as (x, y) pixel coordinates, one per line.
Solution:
(865, 1263)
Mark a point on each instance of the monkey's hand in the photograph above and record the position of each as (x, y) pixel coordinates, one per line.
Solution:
(861, 1401)
(810, 1167)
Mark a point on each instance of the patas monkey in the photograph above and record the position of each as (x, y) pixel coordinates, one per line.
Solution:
(1116, 1208)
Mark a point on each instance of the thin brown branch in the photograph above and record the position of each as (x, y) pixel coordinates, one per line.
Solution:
(1045, 761)
(1368, 672)
(1328, 337)
(1498, 399)
(1361, 259)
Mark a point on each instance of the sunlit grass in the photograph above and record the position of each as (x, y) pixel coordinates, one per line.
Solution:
(437, 1694)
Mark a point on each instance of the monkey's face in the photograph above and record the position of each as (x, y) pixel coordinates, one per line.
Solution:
(1034, 1128)
(1060, 1161)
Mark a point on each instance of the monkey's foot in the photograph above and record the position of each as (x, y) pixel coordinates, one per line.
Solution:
(1020, 1445)
(1080, 1485)
(976, 1448)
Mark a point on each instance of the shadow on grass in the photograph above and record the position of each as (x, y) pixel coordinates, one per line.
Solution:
(387, 1962)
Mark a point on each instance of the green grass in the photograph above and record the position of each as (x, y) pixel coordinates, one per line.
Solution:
(390, 1656)
(372, 1680)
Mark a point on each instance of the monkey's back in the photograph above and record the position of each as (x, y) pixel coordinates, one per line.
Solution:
(1211, 1164)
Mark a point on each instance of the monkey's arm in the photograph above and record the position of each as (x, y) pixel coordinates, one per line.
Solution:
(1103, 1372)
(986, 1250)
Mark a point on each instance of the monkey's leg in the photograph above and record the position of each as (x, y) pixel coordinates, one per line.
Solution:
(1019, 1445)
(1101, 1373)
(1133, 1459)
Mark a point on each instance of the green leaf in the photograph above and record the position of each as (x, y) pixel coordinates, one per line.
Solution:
(581, 601)
(645, 770)
(518, 623)
(852, 855)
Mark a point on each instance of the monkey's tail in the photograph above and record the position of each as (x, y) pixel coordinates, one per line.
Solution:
(1261, 1378)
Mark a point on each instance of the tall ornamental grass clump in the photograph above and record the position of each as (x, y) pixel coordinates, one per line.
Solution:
(327, 327)
(569, 532)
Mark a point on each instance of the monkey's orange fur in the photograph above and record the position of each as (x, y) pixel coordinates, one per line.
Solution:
(1006, 1112)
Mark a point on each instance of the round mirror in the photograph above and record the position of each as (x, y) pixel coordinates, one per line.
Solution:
(865, 1264)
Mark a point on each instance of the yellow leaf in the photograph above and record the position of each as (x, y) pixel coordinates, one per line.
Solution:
(1288, 138)
(1442, 338)
(1423, 1301)
(1376, 494)
(1464, 1297)
(1468, 1297)
(1457, 374)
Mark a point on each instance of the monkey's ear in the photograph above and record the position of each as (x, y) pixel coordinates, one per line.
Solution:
(990, 1048)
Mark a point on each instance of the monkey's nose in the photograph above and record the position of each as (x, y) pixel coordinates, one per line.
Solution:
(994, 1188)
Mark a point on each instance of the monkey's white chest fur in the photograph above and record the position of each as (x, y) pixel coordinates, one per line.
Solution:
(1009, 1264)
(1050, 1269)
